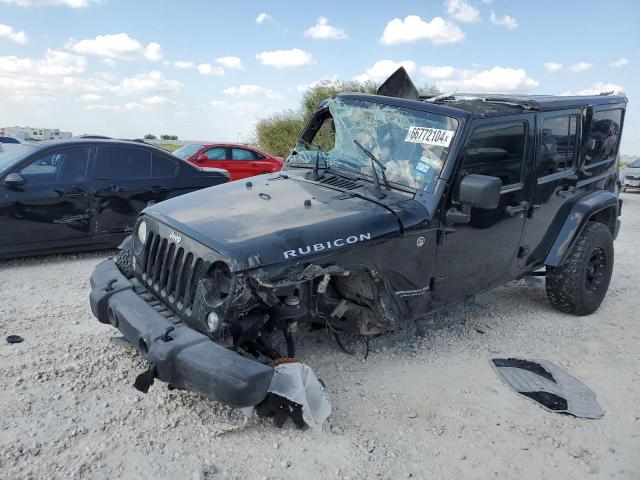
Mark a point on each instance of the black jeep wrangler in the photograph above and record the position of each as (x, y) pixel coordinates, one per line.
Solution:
(390, 207)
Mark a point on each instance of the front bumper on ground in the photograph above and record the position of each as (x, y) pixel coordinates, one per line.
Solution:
(180, 356)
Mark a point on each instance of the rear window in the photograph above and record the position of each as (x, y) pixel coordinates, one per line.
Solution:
(604, 135)
(163, 166)
(557, 144)
(124, 162)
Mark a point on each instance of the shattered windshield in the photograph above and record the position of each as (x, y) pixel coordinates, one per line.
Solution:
(412, 145)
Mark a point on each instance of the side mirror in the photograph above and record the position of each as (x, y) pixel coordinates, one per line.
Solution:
(478, 191)
(202, 158)
(14, 180)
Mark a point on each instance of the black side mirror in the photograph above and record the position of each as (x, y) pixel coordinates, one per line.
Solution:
(14, 180)
(478, 191)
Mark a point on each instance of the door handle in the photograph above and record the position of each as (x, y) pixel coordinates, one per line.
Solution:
(522, 207)
(159, 189)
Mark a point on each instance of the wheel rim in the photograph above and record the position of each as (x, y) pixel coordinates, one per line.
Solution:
(595, 270)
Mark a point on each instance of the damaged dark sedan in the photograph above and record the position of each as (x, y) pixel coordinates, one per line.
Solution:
(82, 194)
(390, 207)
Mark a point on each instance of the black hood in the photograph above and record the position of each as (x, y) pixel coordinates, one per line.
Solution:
(279, 217)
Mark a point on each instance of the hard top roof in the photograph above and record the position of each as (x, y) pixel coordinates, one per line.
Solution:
(492, 105)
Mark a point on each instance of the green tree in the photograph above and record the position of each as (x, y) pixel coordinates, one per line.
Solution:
(149, 136)
(278, 133)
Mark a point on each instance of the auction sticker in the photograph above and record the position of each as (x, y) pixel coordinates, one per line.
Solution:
(429, 136)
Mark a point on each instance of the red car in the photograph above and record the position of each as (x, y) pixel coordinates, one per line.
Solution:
(238, 159)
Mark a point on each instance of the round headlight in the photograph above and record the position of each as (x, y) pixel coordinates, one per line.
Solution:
(213, 321)
(142, 231)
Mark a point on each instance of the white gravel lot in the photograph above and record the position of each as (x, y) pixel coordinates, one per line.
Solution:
(425, 404)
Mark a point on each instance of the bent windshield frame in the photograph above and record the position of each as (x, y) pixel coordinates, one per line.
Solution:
(413, 145)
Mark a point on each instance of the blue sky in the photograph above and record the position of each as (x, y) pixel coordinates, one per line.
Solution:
(210, 70)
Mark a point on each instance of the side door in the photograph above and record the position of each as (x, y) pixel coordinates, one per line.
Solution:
(480, 254)
(53, 204)
(246, 163)
(217, 157)
(122, 187)
(554, 178)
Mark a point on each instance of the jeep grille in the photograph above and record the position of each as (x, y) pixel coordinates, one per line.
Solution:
(171, 272)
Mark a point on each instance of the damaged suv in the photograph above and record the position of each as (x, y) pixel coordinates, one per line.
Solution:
(390, 207)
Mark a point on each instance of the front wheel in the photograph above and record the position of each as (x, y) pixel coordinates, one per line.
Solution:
(124, 259)
(579, 285)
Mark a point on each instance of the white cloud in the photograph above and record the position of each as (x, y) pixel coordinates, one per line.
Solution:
(91, 97)
(286, 58)
(323, 31)
(383, 68)
(505, 21)
(619, 63)
(462, 11)
(580, 67)
(239, 108)
(118, 46)
(413, 28)
(552, 67)
(598, 88)
(12, 35)
(127, 107)
(183, 64)
(54, 63)
(157, 100)
(230, 62)
(41, 3)
(210, 70)
(263, 17)
(444, 71)
(495, 80)
(250, 90)
(153, 81)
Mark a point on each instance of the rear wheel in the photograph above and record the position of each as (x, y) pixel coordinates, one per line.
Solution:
(579, 285)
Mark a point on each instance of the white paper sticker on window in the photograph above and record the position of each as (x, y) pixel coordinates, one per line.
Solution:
(429, 136)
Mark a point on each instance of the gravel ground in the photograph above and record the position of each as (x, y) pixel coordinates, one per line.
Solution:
(424, 404)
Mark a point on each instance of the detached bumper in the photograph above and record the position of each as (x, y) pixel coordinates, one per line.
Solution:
(183, 357)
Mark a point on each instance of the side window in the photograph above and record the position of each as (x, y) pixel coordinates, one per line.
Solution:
(241, 154)
(325, 137)
(216, 153)
(59, 166)
(162, 167)
(557, 145)
(259, 156)
(604, 135)
(497, 152)
(124, 162)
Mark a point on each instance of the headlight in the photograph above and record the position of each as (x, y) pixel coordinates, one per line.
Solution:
(142, 232)
(213, 322)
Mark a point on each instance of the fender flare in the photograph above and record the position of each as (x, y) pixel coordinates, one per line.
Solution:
(580, 214)
(127, 243)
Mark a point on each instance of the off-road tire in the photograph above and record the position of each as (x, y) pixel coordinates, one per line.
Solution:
(124, 259)
(579, 285)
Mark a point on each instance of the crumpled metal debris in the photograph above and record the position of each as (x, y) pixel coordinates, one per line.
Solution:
(549, 386)
(298, 383)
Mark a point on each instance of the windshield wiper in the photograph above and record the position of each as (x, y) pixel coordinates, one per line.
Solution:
(315, 173)
(374, 162)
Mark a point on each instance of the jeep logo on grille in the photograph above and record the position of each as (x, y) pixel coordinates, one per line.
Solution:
(175, 237)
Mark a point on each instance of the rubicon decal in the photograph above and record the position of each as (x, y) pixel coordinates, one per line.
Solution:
(319, 247)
